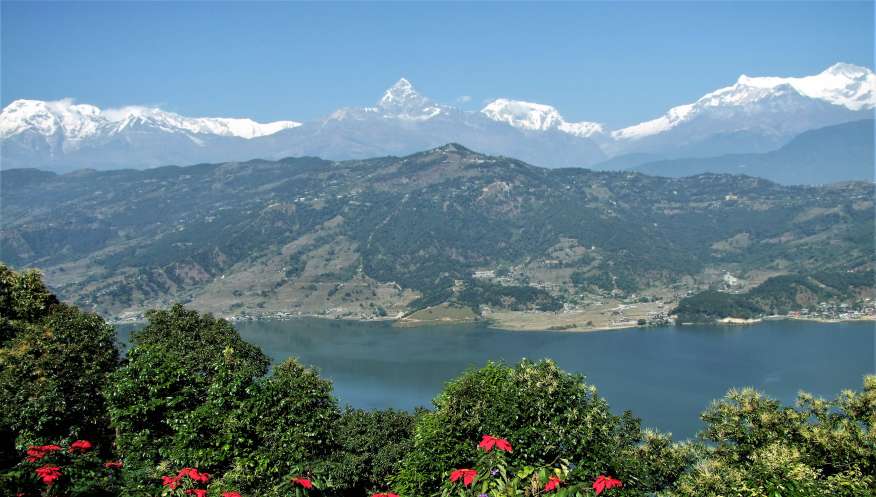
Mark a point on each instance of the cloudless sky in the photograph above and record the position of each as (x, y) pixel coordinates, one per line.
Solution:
(617, 63)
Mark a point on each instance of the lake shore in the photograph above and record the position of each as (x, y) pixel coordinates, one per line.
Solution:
(604, 317)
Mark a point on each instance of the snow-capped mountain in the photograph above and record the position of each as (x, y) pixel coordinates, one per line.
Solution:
(537, 117)
(404, 121)
(401, 101)
(755, 113)
(62, 134)
(77, 122)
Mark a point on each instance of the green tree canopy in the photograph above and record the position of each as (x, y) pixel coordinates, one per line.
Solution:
(543, 411)
(54, 365)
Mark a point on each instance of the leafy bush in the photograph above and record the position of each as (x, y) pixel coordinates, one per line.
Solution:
(547, 413)
(72, 471)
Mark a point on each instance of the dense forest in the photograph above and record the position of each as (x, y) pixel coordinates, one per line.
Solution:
(192, 409)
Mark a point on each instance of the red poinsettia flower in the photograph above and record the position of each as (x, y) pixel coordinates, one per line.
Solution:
(387, 494)
(467, 475)
(303, 482)
(48, 474)
(37, 452)
(80, 446)
(603, 483)
(113, 464)
(231, 494)
(197, 492)
(170, 481)
(489, 441)
(194, 475)
(552, 484)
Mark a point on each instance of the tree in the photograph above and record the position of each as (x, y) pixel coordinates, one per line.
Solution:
(54, 365)
(760, 448)
(180, 367)
(371, 446)
(287, 424)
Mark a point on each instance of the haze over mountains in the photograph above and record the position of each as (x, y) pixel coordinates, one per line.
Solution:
(842, 152)
(754, 115)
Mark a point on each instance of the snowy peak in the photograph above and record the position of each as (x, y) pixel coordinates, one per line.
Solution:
(401, 92)
(49, 118)
(76, 122)
(536, 117)
(842, 85)
(847, 85)
(401, 100)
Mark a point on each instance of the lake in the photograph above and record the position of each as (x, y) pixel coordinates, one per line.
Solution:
(666, 376)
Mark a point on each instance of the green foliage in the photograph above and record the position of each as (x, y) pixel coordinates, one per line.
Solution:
(545, 412)
(762, 449)
(286, 425)
(23, 299)
(80, 474)
(371, 446)
(517, 298)
(711, 305)
(192, 393)
(181, 366)
(776, 295)
(54, 364)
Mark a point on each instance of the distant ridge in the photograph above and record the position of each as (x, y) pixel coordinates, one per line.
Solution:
(834, 153)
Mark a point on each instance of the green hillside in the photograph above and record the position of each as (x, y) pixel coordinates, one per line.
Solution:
(392, 234)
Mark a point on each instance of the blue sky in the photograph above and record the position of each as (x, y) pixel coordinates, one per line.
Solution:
(617, 63)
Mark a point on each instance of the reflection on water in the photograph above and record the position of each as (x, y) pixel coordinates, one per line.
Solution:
(667, 376)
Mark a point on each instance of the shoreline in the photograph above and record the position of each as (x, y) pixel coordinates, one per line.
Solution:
(505, 323)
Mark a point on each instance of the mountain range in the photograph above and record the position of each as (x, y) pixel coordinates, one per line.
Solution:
(755, 114)
(393, 234)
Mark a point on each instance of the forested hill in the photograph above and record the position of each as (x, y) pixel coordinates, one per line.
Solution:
(394, 233)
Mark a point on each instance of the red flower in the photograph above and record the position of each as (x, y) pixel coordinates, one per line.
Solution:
(37, 452)
(603, 483)
(303, 482)
(48, 474)
(489, 441)
(170, 481)
(194, 474)
(384, 495)
(197, 492)
(80, 446)
(230, 494)
(113, 464)
(552, 484)
(467, 475)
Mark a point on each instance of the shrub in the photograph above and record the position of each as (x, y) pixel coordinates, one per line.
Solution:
(547, 413)
(74, 470)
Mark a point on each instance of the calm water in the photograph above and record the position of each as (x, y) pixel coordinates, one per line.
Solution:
(667, 376)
